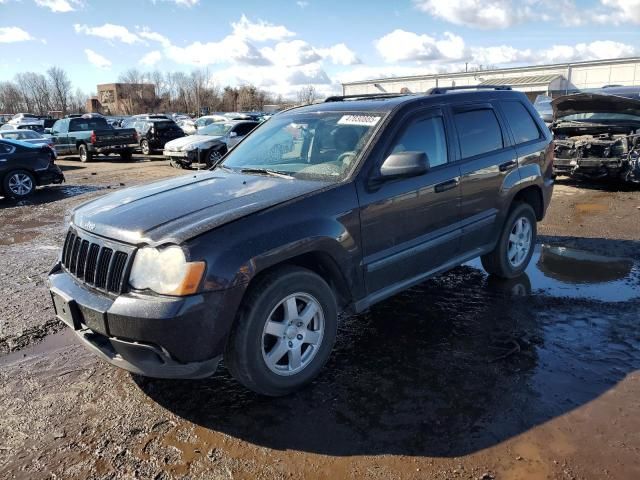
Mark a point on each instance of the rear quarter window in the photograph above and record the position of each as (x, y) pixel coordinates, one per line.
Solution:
(479, 132)
(522, 125)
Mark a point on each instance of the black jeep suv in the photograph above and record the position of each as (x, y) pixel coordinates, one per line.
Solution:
(327, 207)
(154, 133)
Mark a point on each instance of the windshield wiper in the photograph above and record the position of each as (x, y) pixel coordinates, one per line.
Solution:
(266, 171)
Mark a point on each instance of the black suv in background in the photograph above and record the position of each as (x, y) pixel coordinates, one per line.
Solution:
(154, 133)
(327, 207)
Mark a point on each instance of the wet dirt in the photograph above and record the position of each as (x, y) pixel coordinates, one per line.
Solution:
(31, 234)
(464, 376)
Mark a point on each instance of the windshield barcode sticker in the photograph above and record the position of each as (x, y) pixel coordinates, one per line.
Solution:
(363, 120)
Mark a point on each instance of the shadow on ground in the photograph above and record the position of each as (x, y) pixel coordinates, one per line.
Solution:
(48, 194)
(453, 366)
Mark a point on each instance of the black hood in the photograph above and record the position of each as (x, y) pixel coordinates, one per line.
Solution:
(172, 211)
(594, 103)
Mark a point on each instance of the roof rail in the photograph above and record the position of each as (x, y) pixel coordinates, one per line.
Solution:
(364, 96)
(441, 90)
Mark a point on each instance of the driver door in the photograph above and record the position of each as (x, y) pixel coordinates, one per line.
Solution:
(410, 225)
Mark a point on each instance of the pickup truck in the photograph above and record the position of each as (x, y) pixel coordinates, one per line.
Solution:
(87, 137)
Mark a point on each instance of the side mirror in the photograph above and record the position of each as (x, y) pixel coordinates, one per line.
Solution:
(404, 164)
(233, 134)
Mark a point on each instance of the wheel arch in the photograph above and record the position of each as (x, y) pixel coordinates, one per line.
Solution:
(532, 195)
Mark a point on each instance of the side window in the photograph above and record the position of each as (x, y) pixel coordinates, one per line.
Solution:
(244, 129)
(57, 126)
(424, 135)
(522, 125)
(479, 132)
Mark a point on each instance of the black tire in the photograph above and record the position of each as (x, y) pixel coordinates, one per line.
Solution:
(244, 355)
(213, 156)
(497, 262)
(145, 148)
(126, 156)
(18, 184)
(85, 154)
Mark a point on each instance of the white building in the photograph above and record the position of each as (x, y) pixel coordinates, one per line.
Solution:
(554, 80)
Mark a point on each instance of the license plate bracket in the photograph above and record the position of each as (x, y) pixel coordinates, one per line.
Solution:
(66, 309)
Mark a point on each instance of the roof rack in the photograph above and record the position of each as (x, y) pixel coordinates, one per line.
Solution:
(364, 96)
(441, 90)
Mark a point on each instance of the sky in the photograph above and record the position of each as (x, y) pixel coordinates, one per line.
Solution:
(283, 45)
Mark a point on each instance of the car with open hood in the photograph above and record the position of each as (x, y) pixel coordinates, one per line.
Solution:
(209, 144)
(324, 208)
(597, 135)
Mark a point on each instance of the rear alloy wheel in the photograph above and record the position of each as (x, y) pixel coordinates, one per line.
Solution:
(144, 146)
(515, 246)
(85, 155)
(19, 184)
(284, 332)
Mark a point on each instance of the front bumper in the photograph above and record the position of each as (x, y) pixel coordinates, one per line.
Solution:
(190, 156)
(155, 336)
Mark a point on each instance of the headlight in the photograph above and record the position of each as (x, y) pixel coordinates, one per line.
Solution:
(165, 271)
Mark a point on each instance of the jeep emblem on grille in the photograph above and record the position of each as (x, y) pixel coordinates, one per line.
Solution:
(88, 225)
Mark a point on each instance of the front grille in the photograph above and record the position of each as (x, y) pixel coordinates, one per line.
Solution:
(92, 262)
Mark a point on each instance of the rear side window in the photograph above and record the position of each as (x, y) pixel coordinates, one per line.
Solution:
(479, 132)
(244, 129)
(83, 124)
(522, 125)
(425, 135)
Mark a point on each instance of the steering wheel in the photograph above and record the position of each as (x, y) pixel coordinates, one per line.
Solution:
(345, 155)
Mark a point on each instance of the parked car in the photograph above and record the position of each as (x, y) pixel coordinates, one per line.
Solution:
(324, 208)
(597, 135)
(28, 136)
(188, 126)
(205, 121)
(153, 134)
(26, 118)
(128, 122)
(23, 166)
(209, 145)
(542, 105)
(36, 127)
(88, 137)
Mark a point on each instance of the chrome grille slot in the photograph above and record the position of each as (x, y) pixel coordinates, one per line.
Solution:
(94, 263)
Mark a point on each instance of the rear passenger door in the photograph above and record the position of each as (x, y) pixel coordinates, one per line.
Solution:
(488, 162)
(409, 225)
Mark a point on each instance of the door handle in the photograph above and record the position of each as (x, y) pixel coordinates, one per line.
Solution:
(511, 164)
(448, 185)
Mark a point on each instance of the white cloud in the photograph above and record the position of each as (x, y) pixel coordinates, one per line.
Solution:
(401, 45)
(59, 6)
(109, 31)
(289, 54)
(229, 50)
(259, 31)
(339, 54)
(151, 58)
(475, 13)
(302, 3)
(494, 14)
(96, 59)
(14, 34)
(156, 37)
(186, 3)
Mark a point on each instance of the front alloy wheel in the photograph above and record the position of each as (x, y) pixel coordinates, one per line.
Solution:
(519, 242)
(144, 146)
(284, 332)
(213, 157)
(292, 334)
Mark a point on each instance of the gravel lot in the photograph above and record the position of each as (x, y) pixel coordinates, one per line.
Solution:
(460, 377)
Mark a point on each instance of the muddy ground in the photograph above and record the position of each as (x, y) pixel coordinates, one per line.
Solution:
(462, 377)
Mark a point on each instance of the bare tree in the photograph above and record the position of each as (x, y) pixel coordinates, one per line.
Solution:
(307, 95)
(60, 89)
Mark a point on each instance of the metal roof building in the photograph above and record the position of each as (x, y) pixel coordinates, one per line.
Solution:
(556, 79)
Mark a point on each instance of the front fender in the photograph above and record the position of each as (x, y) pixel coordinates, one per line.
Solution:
(327, 223)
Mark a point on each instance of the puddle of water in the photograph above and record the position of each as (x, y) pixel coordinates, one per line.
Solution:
(566, 272)
(51, 343)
